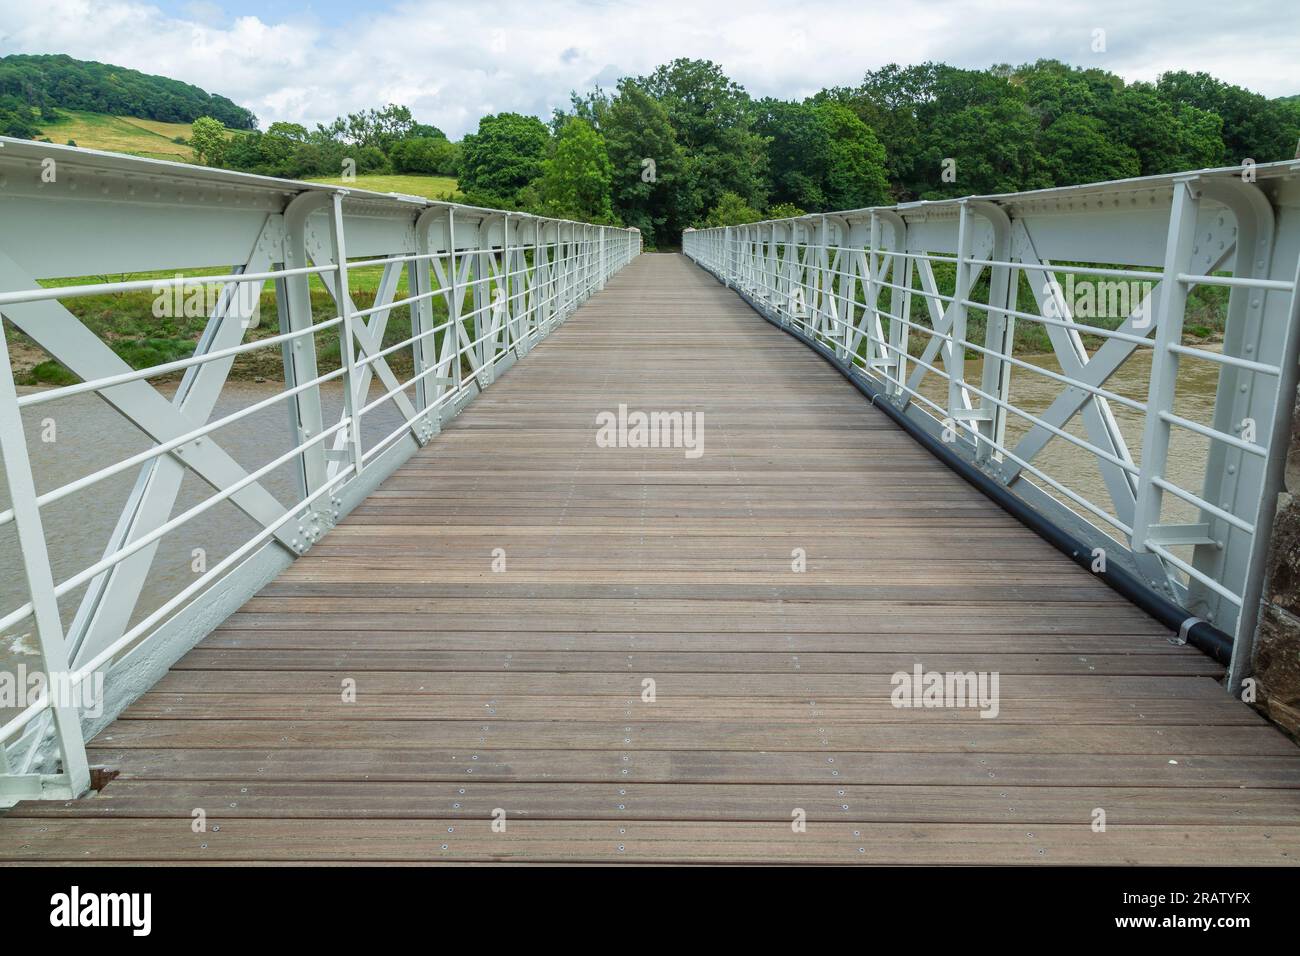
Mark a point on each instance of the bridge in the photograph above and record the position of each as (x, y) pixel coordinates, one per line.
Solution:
(656, 557)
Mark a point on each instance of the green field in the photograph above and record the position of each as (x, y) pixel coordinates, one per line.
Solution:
(121, 134)
(430, 187)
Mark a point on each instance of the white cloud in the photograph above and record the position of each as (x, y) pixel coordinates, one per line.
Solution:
(453, 62)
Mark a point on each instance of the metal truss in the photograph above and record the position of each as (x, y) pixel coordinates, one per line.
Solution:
(505, 280)
(1161, 237)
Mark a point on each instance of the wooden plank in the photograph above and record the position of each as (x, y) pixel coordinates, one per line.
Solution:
(433, 640)
(326, 764)
(521, 689)
(599, 841)
(693, 662)
(484, 726)
(438, 706)
(1127, 692)
(462, 800)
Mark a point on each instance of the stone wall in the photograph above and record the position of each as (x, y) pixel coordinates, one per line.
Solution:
(1277, 644)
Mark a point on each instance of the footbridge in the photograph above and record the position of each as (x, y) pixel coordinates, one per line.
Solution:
(865, 537)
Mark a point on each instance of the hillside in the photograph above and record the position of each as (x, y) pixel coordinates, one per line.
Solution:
(48, 82)
(430, 187)
(120, 134)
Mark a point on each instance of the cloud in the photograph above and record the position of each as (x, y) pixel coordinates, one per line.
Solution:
(453, 62)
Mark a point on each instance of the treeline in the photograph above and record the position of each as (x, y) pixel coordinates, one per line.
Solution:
(686, 146)
(34, 87)
(372, 141)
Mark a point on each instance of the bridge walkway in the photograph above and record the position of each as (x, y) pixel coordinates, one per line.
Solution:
(524, 690)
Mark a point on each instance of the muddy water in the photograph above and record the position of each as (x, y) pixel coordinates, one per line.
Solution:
(88, 435)
(1075, 467)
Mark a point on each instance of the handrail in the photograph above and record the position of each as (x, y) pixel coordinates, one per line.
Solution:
(1059, 434)
(483, 288)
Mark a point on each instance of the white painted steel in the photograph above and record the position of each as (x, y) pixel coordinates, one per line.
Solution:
(1236, 228)
(103, 214)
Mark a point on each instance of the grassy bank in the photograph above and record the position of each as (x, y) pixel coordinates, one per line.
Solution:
(126, 321)
(430, 187)
(122, 134)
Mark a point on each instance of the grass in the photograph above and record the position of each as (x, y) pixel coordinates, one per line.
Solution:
(121, 134)
(430, 187)
(126, 323)
(1205, 316)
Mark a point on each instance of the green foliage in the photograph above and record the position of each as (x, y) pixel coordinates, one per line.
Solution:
(208, 140)
(287, 150)
(378, 128)
(1049, 124)
(51, 372)
(46, 82)
(646, 164)
(713, 120)
(784, 210)
(732, 210)
(430, 155)
(1077, 149)
(17, 118)
(685, 145)
(575, 180)
(503, 157)
(1254, 127)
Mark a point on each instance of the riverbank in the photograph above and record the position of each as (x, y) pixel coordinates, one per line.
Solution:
(131, 326)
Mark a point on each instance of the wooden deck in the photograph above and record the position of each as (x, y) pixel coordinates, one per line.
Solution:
(522, 690)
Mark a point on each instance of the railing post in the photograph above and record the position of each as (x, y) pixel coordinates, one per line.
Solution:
(999, 332)
(900, 304)
(871, 291)
(424, 353)
(957, 351)
(1164, 361)
(352, 401)
(293, 303)
(40, 581)
(604, 274)
(452, 338)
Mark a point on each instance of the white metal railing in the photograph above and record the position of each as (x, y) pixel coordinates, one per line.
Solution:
(1065, 447)
(482, 288)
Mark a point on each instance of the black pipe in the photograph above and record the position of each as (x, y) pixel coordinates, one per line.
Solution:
(1200, 634)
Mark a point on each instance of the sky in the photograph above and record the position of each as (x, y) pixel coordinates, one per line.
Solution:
(308, 61)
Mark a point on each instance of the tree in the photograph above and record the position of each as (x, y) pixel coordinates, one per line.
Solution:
(379, 128)
(895, 102)
(645, 164)
(575, 179)
(425, 154)
(1167, 136)
(1078, 149)
(503, 157)
(713, 123)
(784, 210)
(46, 81)
(796, 152)
(1254, 127)
(821, 156)
(208, 141)
(732, 210)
